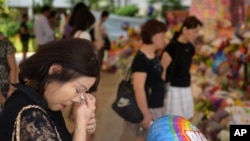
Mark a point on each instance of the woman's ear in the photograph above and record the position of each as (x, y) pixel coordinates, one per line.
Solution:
(184, 29)
(55, 69)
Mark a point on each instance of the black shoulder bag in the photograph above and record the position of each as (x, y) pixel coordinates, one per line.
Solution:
(125, 104)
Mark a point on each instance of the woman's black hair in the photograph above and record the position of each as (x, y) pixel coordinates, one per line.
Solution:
(190, 22)
(150, 28)
(77, 7)
(77, 57)
(84, 19)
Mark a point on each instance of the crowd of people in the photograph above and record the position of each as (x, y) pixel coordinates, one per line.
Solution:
(66, 72)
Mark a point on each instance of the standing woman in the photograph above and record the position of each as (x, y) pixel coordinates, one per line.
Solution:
(176, 61)
(59, 74)
(146, 78)
(84, 19)
(8, 68)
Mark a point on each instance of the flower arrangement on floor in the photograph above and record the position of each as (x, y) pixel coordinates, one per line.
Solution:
(222, 79)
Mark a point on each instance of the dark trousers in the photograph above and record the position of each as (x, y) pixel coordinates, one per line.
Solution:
(25, 44)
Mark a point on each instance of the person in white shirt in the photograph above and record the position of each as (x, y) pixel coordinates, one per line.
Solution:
(42, 29)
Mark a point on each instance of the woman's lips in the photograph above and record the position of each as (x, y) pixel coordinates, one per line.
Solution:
(63, 106)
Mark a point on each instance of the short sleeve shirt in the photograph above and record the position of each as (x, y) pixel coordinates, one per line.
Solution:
(154, 85)
(181, 55)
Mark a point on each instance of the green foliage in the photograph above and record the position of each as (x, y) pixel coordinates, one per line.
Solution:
(37, 6)
(169, 4)
(204, 105)
(13, 28)
(130, 10)
(8, 26)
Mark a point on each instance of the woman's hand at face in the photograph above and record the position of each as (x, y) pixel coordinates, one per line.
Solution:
(85, 111)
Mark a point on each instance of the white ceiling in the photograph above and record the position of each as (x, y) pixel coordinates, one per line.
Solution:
(65, 3)
(28, 3)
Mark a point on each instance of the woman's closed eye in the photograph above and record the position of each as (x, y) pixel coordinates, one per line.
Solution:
(77, 91)
(80, 91)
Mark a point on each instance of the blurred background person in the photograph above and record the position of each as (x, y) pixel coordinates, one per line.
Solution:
(42, 29)
(69, 25)
(84, 19)
(24, 35)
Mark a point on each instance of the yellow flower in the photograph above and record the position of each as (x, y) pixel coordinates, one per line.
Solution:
(238, 102)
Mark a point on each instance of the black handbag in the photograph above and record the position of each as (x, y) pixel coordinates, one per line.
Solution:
(125, 104)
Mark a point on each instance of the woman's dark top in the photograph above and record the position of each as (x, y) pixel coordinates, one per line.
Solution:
(179, 69)
(36, 123)
(154, 85)
(24, 36)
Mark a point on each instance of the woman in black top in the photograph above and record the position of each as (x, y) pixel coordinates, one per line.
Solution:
(24, 35)
(57, 75)
(176, 61)
(146, 78)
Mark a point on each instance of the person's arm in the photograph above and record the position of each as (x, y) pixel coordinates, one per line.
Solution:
(103, 31)
(98, 36)
(2, 99)
(165, 62)
(13, 72)
(80, 132)
(139, 79)
(98, 44)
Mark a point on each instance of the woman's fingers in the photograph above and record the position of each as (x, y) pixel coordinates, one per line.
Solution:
(92, 119)
(91, 126)
(91, 129)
